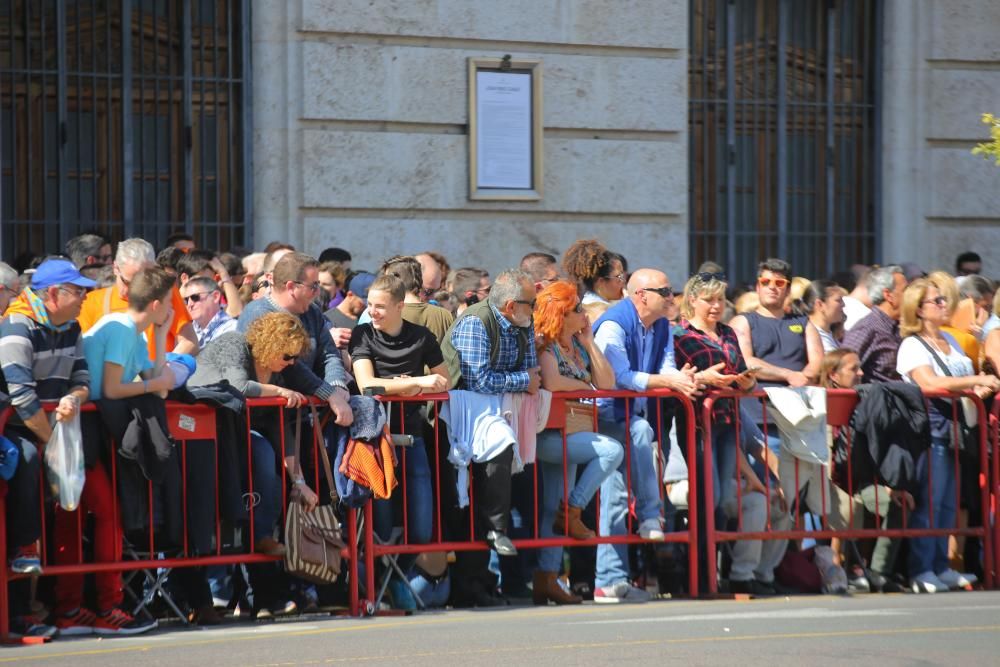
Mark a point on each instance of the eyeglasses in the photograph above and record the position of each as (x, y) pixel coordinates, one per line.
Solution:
(195, 298)
(620, 277)
(263, 284)
(779, 283)
(937, 301)
(706, 277)
(312, 287)
(78, 294)
(531, 303)
(665, 292)
(290, 357)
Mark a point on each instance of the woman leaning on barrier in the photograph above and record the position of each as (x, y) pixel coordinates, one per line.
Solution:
(252, 363)
(933, 360)
(570, 361)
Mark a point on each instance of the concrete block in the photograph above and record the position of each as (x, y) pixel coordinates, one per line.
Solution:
(631, 23)
(962, 185)
(956, 101)
(421, 85)
(964, 30)
(429, 171)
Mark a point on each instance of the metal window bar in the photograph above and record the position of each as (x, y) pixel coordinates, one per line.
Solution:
(784, 133)
(99, 103)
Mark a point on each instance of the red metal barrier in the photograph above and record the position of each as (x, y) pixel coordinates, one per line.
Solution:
(373, 551)
(188, 423)
(840, 406)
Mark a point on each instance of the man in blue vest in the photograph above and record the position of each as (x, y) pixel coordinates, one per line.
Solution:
(636, 338)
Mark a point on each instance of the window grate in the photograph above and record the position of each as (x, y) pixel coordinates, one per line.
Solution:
(784, 130)
(174, 157)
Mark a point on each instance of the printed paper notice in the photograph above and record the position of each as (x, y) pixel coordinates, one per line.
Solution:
(503, 130)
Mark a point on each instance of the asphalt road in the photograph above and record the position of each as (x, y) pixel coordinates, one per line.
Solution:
(945, 629)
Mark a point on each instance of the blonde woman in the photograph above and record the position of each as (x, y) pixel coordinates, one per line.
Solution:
(932, 359)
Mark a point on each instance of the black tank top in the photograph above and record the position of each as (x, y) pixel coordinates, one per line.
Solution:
(779, 342)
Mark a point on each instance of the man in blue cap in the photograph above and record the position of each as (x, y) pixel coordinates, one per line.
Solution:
(41, 359)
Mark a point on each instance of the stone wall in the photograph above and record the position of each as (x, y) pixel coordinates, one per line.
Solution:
(942, 72)
(360, 120)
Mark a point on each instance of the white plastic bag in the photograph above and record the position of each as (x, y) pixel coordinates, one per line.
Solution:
(64, 462)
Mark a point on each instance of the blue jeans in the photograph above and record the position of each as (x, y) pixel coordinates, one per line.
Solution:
(266, 486)
(419, 498)
(24, 514)
(432, 593)
(602, 456)
(612, 559)
(723, 460)
(930, 554)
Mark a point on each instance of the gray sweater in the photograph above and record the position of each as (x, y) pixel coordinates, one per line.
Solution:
(227, 358)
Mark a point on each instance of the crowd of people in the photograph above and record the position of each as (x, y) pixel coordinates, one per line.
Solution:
(127, 327)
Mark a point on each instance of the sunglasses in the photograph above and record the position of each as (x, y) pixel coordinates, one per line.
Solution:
(938, 301)
(312, 287)
(780, 283)
(290, 357)
(263, 284)
(195, 298)
(706, 277)
(427, 292)
(665, 292)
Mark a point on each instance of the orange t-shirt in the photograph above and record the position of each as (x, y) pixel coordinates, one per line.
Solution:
(107, 300)
(968, 343)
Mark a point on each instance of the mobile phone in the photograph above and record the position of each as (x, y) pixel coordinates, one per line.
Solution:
(374, 391)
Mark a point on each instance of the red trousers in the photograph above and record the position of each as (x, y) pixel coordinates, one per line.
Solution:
(97, 499)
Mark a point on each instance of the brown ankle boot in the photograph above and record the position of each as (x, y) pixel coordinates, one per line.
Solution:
(577, 529)
(546, 588)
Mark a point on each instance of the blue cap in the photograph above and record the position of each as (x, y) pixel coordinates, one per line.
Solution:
(58, 272)
(360, 284)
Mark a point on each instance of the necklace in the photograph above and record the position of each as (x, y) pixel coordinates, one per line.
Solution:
(937, 342)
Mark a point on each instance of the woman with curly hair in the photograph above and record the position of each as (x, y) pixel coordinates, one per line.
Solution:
(570, 361)
(252, 363)
(598, 272)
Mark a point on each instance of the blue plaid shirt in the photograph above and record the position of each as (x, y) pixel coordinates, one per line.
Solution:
(473, 346)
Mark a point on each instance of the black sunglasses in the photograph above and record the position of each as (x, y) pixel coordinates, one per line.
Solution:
(263, 284)
(706, 277)
(290, 357)
(665, 292)
(195, 298)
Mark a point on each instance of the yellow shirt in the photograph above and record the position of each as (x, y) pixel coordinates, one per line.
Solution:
(107, 300)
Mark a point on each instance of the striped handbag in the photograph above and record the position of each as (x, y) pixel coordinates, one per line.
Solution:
(313, 540)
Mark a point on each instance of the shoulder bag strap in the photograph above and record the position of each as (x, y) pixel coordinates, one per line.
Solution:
(934, 353)
(319, 444)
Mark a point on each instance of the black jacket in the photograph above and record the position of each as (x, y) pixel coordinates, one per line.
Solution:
(889, 431)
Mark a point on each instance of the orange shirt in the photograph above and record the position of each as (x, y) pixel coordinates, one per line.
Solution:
(107, 300)
(968, 343)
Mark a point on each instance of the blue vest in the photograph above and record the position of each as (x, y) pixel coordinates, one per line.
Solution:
(625, 315)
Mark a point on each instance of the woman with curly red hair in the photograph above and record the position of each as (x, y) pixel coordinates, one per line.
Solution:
(570, 361)
(598, 272)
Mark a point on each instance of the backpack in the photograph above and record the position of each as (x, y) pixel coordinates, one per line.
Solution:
(486, 315)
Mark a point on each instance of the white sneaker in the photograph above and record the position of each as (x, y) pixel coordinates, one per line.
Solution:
(927, 582)
(621, 593)
(953, 579)
(651, 529)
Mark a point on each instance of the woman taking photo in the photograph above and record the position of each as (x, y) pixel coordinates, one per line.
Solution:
(933, 360)
(570, 361)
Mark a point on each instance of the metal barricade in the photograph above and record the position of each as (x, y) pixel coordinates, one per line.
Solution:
(373, 550)
(840, 406)
(191, 426)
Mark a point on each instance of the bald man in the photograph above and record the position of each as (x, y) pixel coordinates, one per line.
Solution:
(636, 338)
(430, 271)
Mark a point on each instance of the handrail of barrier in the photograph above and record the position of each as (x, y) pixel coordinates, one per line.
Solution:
(992, 511)
(187, 422)
(846, 401)
(689, 537)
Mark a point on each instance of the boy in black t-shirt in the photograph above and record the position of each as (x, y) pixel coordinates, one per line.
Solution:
(391, 353)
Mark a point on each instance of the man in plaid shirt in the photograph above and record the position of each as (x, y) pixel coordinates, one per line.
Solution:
(876, 336)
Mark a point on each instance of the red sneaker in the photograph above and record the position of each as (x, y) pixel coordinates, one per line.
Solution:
(76, 623)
